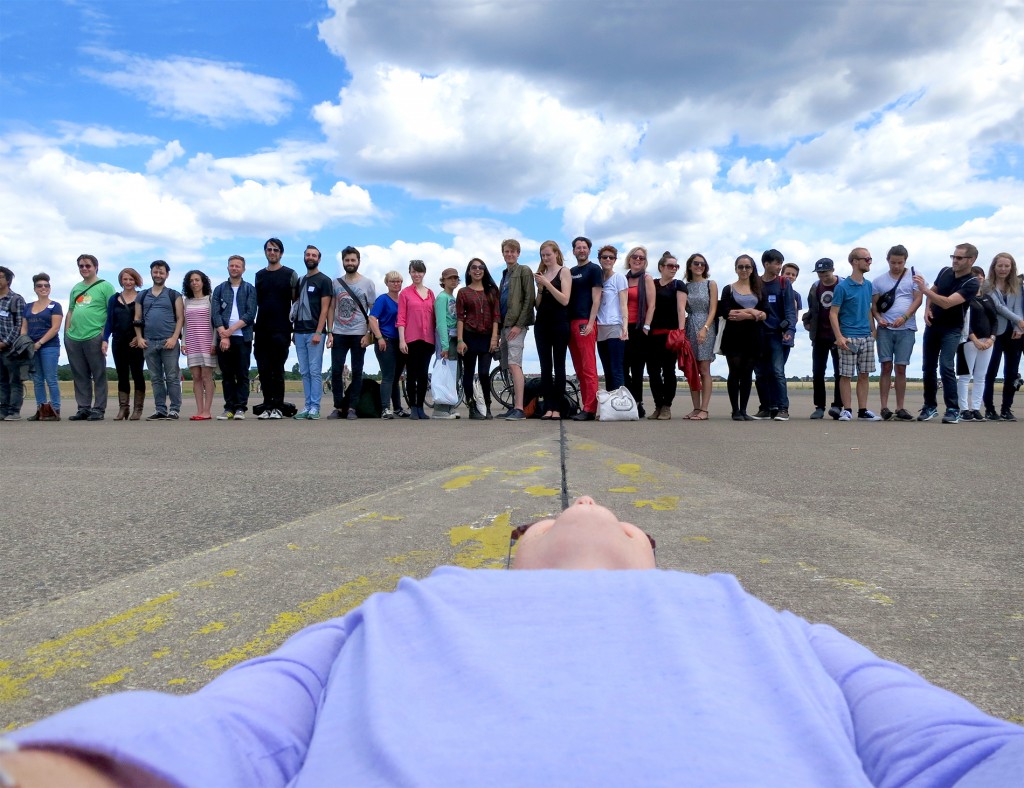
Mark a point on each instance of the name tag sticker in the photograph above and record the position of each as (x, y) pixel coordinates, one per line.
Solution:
(50, 306)
(771, 299)
(4, 313)
(311, 289)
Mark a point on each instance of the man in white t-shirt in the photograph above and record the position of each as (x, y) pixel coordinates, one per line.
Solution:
(233, 310)
(897, 328)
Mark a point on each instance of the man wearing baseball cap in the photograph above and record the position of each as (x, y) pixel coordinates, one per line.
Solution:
(823, 340)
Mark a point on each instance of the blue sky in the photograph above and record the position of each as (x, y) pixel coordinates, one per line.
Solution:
(189, 131)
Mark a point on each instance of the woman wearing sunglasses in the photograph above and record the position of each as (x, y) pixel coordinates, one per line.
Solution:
(702, 304)
(639, 313)
(743, 306)
(669, 314)
(478, 313)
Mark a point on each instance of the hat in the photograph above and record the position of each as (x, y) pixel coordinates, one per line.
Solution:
(448, 272)
(824, 264)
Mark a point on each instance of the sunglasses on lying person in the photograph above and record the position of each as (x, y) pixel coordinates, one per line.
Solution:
(519, 530)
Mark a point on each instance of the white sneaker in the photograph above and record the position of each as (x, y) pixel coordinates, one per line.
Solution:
(225, 416)
(845, 415)
(868, 415)
(276, 414)
(264, 415)
(239, 415)
(387, 414)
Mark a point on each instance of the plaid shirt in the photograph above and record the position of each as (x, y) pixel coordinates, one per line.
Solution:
(478, 309)
(12, 308)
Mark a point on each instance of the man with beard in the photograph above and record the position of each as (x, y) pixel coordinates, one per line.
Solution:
(275, 288)
(584, 303)
(354, 295)
(83, 340)
(313, 297)
(159, 316)
(853, 325)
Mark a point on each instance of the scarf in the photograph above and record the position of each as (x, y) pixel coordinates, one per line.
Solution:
(641, 297)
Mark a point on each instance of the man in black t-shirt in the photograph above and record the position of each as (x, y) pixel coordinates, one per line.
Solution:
(823, 339)
(275, 287)
(944, 317)
(584, 302)
(313, 296)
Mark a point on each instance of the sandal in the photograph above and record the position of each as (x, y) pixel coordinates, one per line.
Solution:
(692, 414)
(547, 416)
(698, 417)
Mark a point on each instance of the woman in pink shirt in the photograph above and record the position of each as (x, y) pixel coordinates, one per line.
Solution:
(416, 335)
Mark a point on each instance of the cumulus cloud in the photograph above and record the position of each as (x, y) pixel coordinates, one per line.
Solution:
(481, 138)
(163, 157)
(100, 136)
(214, 92)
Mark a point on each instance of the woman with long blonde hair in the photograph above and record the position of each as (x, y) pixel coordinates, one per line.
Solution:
(551, 329)
(1004, 285)
(640, 312)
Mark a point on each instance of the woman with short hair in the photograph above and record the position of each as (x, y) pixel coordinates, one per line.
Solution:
(199, 347)
(41, 323)
(612, 331)
(382, 323)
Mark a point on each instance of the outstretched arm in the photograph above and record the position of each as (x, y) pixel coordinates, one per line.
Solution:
(250, 726)
(911, 732)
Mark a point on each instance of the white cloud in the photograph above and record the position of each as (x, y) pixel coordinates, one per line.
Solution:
(100, 136)
(198, 89)
(478, 138)
(163, 157)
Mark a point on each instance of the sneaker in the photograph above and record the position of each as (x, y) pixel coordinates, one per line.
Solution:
(835, 412)
(239, 415)
(761, 415)
(335, 414)
(387, 413)
(313, 415)
(904, 415)
(1007, 415)
(781, 415)
(846, 415)
(12, 417)
(505, 414)
(927, 414)
(276, 414)
(302, 414)
(887, 415)
(819, 413)
(443, 414)
(158, 416)
(516, 414)
(977, 415)
(98, 415)
(868, 415)
(351, 415)
(226, 416)
(952, 416)
(264, 415)
(172, 415)
(737, 416)
(991, 415)
(401, 413)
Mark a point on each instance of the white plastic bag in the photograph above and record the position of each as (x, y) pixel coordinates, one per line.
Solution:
(442, 382)
(617, 405)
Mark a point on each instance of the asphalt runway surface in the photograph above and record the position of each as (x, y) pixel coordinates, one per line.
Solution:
(155, 555)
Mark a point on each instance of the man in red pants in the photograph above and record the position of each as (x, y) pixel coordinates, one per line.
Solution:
(584, 301)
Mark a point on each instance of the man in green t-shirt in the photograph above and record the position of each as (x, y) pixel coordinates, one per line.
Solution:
(83, 340)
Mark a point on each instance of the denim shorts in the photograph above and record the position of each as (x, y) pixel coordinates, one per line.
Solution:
(897, 344)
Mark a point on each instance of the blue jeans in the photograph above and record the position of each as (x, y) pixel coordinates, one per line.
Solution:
(311, 367)
(613, 355)
(44, 376)
(164, 374)
(939, 350)
(771, 373)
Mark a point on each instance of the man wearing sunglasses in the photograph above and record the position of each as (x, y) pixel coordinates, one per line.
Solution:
(621, 675)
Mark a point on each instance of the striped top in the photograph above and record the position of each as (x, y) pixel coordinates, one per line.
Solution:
(198, 325)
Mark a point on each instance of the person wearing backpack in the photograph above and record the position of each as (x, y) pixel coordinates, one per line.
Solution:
(159, 317)
(896, 301)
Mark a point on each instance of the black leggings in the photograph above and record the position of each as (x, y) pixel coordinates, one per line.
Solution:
(1010, 348)
(478, 354)
(741, 372)
(128, 361)
(417, 365)
(661, 370)
(552, 344)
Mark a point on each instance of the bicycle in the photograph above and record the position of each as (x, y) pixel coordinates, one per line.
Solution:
(503, 390)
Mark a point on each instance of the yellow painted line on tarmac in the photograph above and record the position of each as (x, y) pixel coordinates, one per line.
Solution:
(327, 605)
(77, 649)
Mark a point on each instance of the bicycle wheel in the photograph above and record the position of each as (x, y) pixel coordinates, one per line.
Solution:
(501, 387)
(428, 397)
